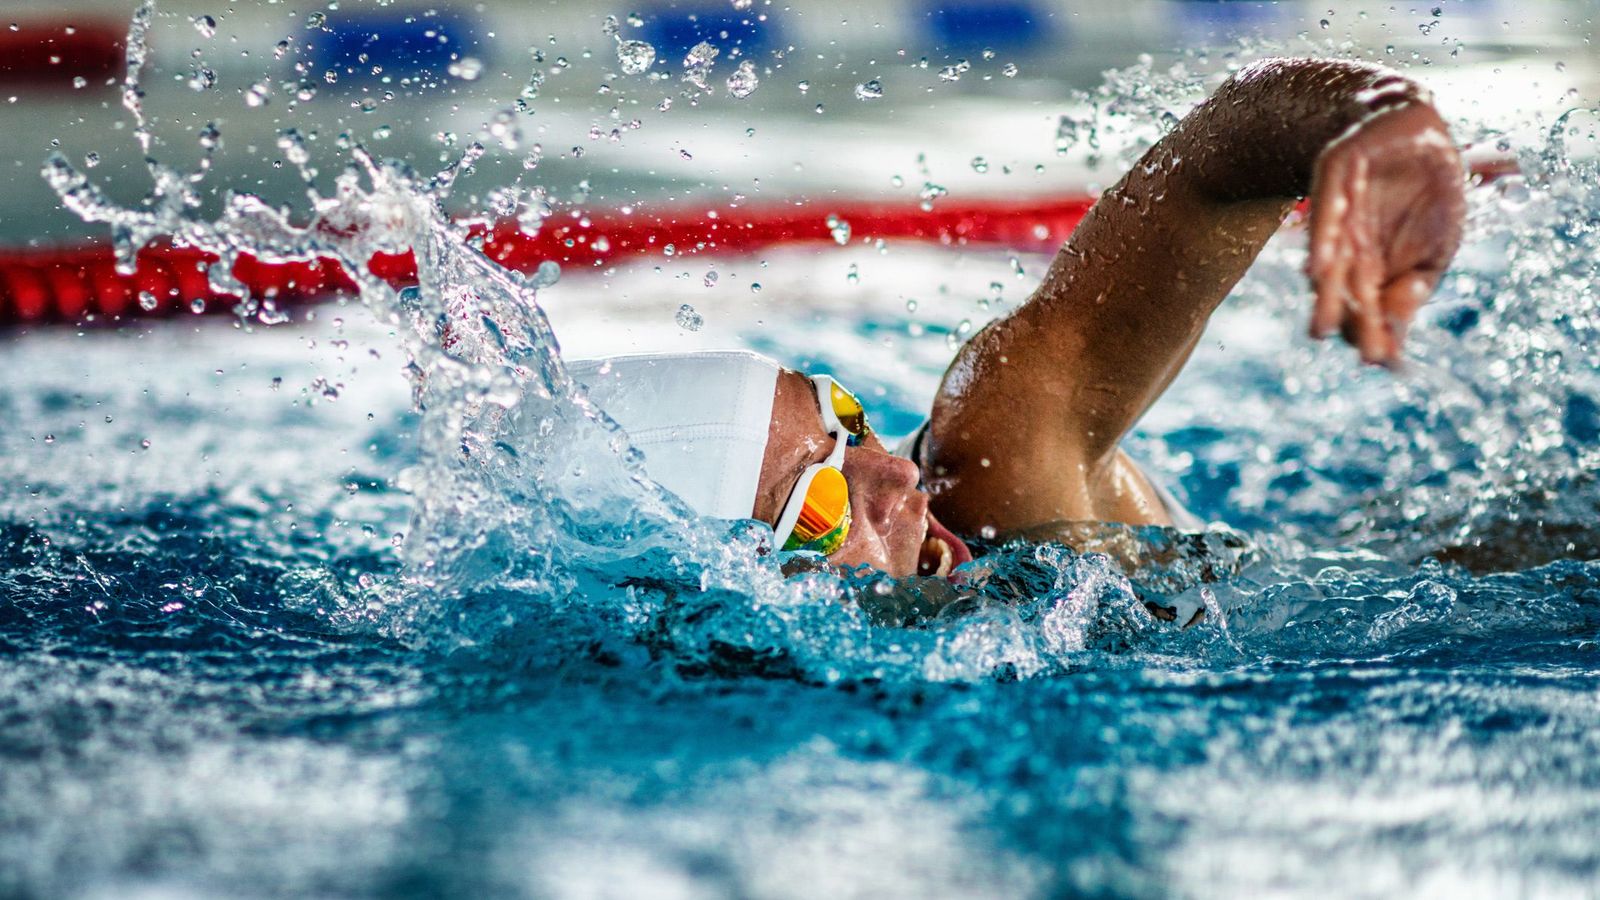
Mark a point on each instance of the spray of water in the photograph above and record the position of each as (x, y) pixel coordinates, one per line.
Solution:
(534, 527)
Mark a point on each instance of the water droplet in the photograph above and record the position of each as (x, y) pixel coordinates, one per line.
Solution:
(840, 229)
(741, 5)
(688, 319)
(697, 64)
(80, 82)
(987, 532)
(755, 287)
(206, 25)
(202, 79)
(259, 94)
(911, 305)
(635, 57)
(148, 301)
(610, 26)
(467, 68)
(91, 159)
(743, 82)
(853, 276)
(294, 147)
(197, 305)
(1009, 70)
(954, 73)
(980, 165)
(49, 439)
(1323, 23)
(804, 86)
(279, 50)
(382, 132)
(711, 278)
(870, 90)
(316, 20)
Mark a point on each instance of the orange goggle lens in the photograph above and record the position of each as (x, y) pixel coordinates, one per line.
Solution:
(824, 521)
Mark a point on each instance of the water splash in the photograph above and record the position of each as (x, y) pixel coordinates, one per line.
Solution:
(529, 508)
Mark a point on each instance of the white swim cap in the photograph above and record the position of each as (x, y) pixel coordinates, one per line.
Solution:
(699, 418)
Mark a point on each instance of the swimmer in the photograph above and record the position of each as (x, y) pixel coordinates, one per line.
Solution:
(1025, 429)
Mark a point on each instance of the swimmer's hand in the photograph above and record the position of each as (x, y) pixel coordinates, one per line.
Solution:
(1387, 203)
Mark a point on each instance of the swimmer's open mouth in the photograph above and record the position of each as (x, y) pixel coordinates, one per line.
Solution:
(941, 551)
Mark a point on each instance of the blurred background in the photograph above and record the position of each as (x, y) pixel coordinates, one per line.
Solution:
(875, 98)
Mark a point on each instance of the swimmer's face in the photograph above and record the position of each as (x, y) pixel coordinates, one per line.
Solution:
(891, 529)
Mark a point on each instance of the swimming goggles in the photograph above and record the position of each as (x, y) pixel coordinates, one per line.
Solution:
(817, 517)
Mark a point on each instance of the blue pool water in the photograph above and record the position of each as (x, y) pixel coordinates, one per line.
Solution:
(267, 631)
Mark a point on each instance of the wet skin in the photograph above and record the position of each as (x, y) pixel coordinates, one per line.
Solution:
(891, 528)
(1026, 425)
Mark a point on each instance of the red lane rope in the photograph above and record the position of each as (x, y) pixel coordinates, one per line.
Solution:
(73, 284)
(51, 53)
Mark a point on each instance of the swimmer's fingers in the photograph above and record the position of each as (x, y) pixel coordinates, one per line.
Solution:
(1364, 322)
(1329, 259)
(1402, 297)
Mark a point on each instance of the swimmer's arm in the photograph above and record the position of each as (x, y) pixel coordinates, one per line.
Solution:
(1027, 422)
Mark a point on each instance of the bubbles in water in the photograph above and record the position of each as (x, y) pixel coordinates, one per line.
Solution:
(688, 319)
(743, 82)
(635, 57)
(869, 90)
(148, 301)
(206, 25)
(839, 229)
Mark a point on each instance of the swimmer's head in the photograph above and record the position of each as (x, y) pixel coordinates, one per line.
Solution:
(732, 432)
(700, 419)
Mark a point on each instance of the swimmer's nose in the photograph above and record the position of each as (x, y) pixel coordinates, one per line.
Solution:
(878, 481)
